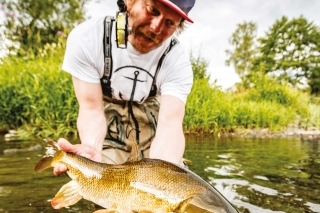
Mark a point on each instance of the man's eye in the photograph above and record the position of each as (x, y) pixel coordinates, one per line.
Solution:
(153, 10)
(170, 23)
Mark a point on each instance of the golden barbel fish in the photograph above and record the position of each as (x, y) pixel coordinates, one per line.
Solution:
(140, 185)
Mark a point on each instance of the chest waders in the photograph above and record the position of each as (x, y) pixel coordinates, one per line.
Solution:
(127, 119)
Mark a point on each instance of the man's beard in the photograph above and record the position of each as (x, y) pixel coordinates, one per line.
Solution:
(150, 35)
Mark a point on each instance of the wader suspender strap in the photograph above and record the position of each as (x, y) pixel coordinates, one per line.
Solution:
(153, 91)
(105, 80)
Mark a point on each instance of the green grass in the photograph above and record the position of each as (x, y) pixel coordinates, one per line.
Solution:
(37, 96)
(271, 106)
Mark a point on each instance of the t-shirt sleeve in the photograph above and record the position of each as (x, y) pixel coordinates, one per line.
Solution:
(177, 78)
(79, 57)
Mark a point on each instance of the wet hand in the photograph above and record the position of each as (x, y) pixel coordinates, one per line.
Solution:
(79, 149)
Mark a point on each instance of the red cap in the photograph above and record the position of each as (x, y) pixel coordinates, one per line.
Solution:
(182, 7)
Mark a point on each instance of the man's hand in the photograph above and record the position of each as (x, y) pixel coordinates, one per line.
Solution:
(79, 149)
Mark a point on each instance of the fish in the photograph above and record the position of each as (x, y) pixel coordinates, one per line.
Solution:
(140, 185)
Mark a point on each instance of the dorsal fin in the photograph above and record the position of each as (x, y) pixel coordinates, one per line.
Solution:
(135, 153)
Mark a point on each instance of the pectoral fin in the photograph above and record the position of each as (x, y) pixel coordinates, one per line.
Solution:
(66, 196)
(182, 205)
(206, 202)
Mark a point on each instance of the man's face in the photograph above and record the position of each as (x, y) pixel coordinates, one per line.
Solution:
(151, 22)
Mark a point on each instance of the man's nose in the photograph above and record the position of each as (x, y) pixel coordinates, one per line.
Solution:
(157, 24)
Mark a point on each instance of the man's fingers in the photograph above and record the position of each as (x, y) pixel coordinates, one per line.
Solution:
(58, 170)
(66, 145)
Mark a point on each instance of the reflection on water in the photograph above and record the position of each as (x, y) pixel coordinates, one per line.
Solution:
(266, 175)
(261, 175)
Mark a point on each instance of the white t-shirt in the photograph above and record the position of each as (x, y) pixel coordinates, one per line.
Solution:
(133, 72)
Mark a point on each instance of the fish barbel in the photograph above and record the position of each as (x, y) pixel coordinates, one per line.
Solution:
(139, 185)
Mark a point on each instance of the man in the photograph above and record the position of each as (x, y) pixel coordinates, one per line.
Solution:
(122, 105)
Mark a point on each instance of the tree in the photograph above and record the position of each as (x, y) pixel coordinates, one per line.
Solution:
(33, 23)
(290, 50)
(244, 42)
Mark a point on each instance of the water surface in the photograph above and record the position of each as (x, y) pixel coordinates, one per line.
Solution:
(255, 175)
(261, 175)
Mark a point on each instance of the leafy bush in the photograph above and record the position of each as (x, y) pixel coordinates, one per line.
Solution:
(37, 95)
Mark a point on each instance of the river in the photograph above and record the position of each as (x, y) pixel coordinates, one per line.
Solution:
(255, 175)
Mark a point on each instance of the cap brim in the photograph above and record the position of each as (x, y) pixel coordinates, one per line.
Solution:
(176, 9)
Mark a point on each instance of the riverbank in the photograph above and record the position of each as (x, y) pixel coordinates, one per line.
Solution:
(290, 132)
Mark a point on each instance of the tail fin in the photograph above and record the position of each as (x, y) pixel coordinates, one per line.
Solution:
(47, 160)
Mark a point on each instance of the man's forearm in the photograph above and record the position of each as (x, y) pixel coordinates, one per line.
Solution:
(169, 142)
(169, 146)
(92, 127)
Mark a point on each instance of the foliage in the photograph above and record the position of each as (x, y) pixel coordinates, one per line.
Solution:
(200, 108)
(267, 89)
(244, 42)
(31, 24)
(211, 110)
(263, 114)
(266, 105)
(314, 116)
(199, 67)
(290, 50)
(36, 96)
(314, 79)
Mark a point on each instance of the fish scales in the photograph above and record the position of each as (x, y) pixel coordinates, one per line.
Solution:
(137, 181)
(145, 185)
